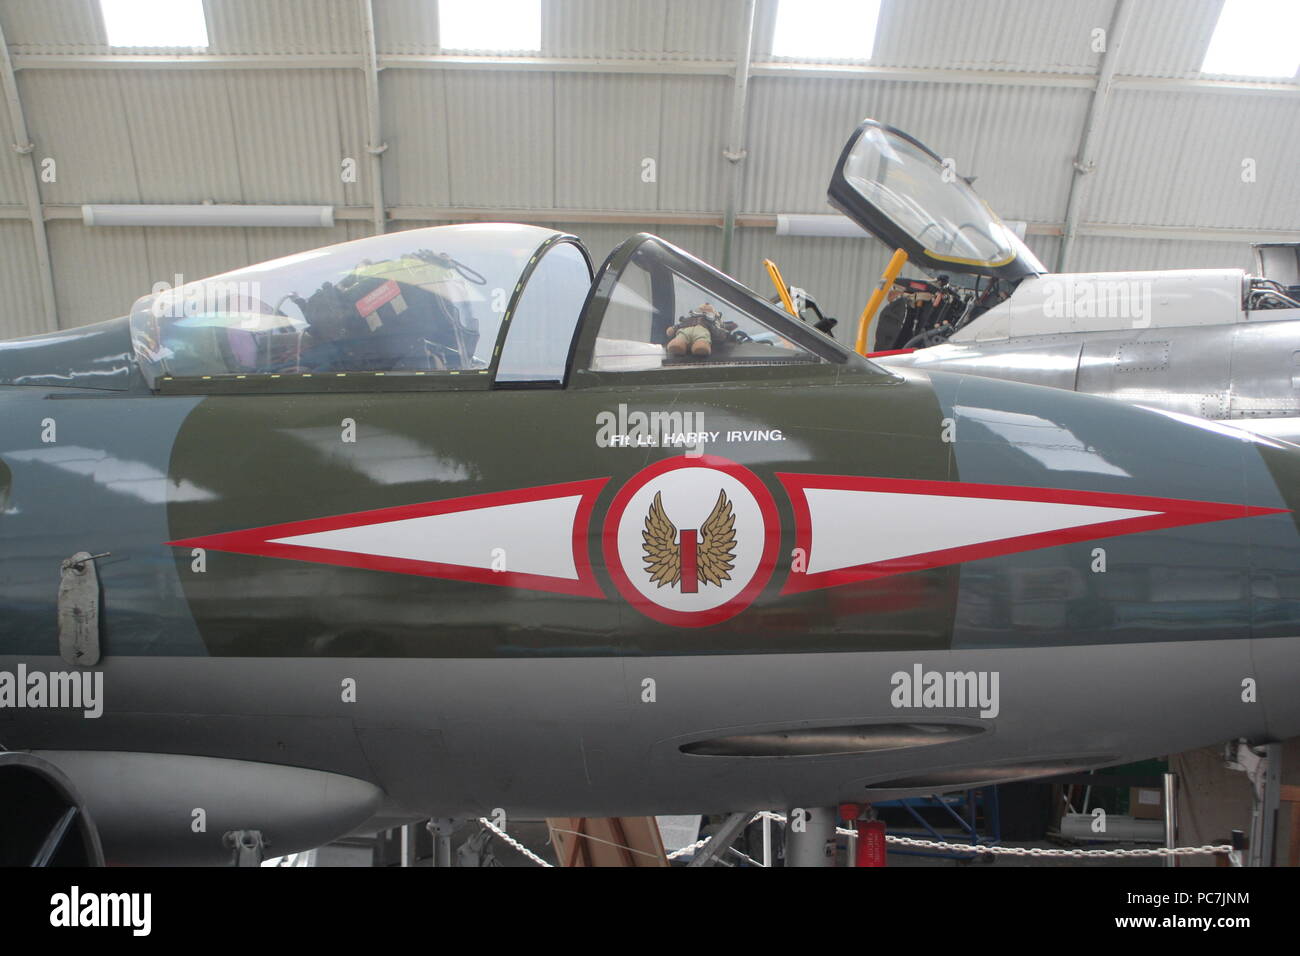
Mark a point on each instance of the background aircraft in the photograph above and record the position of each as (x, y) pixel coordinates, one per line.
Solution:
(1213, 343)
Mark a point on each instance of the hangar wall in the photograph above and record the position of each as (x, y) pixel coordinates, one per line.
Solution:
(279, 103)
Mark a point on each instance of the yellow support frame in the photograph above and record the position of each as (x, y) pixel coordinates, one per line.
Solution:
(892, 270)
(782, 289)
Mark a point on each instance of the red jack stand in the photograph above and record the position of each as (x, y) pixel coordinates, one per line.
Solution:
(871, 833)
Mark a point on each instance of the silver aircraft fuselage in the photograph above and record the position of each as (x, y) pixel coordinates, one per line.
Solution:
(1220, 361)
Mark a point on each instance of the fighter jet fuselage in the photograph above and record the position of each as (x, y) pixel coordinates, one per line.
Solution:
(437, 524)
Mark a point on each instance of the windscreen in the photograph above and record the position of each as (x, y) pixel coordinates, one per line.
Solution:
(670, 311)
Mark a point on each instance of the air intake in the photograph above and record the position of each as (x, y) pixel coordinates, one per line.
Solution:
(829, 741)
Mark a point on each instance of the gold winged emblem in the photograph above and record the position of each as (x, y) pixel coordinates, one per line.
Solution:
(712, 555)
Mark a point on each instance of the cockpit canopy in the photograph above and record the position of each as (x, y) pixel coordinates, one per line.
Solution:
(415, 302)
(903, 193)
(492, 303)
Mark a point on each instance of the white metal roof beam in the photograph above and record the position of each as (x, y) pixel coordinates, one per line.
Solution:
(1084, 163)
(639, 217)
(24, 147)
(375, 146)
(734, 153)
(419, 61)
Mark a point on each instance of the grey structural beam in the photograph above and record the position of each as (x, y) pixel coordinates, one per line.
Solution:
(449, 61)
(641, 217)
(708, 854)
(735, 151)
(375, 144)
(24, 147)
(1084, 160)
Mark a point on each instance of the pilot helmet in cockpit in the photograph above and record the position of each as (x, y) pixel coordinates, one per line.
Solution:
(405, 314)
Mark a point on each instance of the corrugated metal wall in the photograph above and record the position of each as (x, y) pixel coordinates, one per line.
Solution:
(536, 139)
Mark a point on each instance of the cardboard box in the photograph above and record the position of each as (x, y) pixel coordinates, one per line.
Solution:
(1146, 803)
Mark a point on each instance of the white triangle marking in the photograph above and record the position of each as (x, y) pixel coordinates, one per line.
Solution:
(852, 528)
(535, 536)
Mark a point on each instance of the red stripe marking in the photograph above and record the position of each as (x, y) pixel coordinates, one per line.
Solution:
(690, 580)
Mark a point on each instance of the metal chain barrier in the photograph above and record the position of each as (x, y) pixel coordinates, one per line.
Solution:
(1045, 852)
(691, 848)
(511, 841)
(974, 848)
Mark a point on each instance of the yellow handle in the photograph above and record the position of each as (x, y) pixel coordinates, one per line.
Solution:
(782, 289)
(892, 270)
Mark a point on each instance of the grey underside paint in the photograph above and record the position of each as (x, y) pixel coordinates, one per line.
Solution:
(154, 809)
(575, 736)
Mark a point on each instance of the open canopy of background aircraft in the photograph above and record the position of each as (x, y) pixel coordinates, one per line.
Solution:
(1215, 343)
(436, 522)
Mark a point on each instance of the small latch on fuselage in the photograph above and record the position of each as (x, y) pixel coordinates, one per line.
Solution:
(79, 609)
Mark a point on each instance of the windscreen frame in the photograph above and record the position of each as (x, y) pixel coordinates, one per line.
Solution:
(516, 298)
(835, 357)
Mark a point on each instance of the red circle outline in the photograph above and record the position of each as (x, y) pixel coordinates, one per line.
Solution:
(766, 563)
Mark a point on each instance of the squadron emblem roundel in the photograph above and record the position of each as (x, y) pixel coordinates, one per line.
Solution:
(691, 541)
